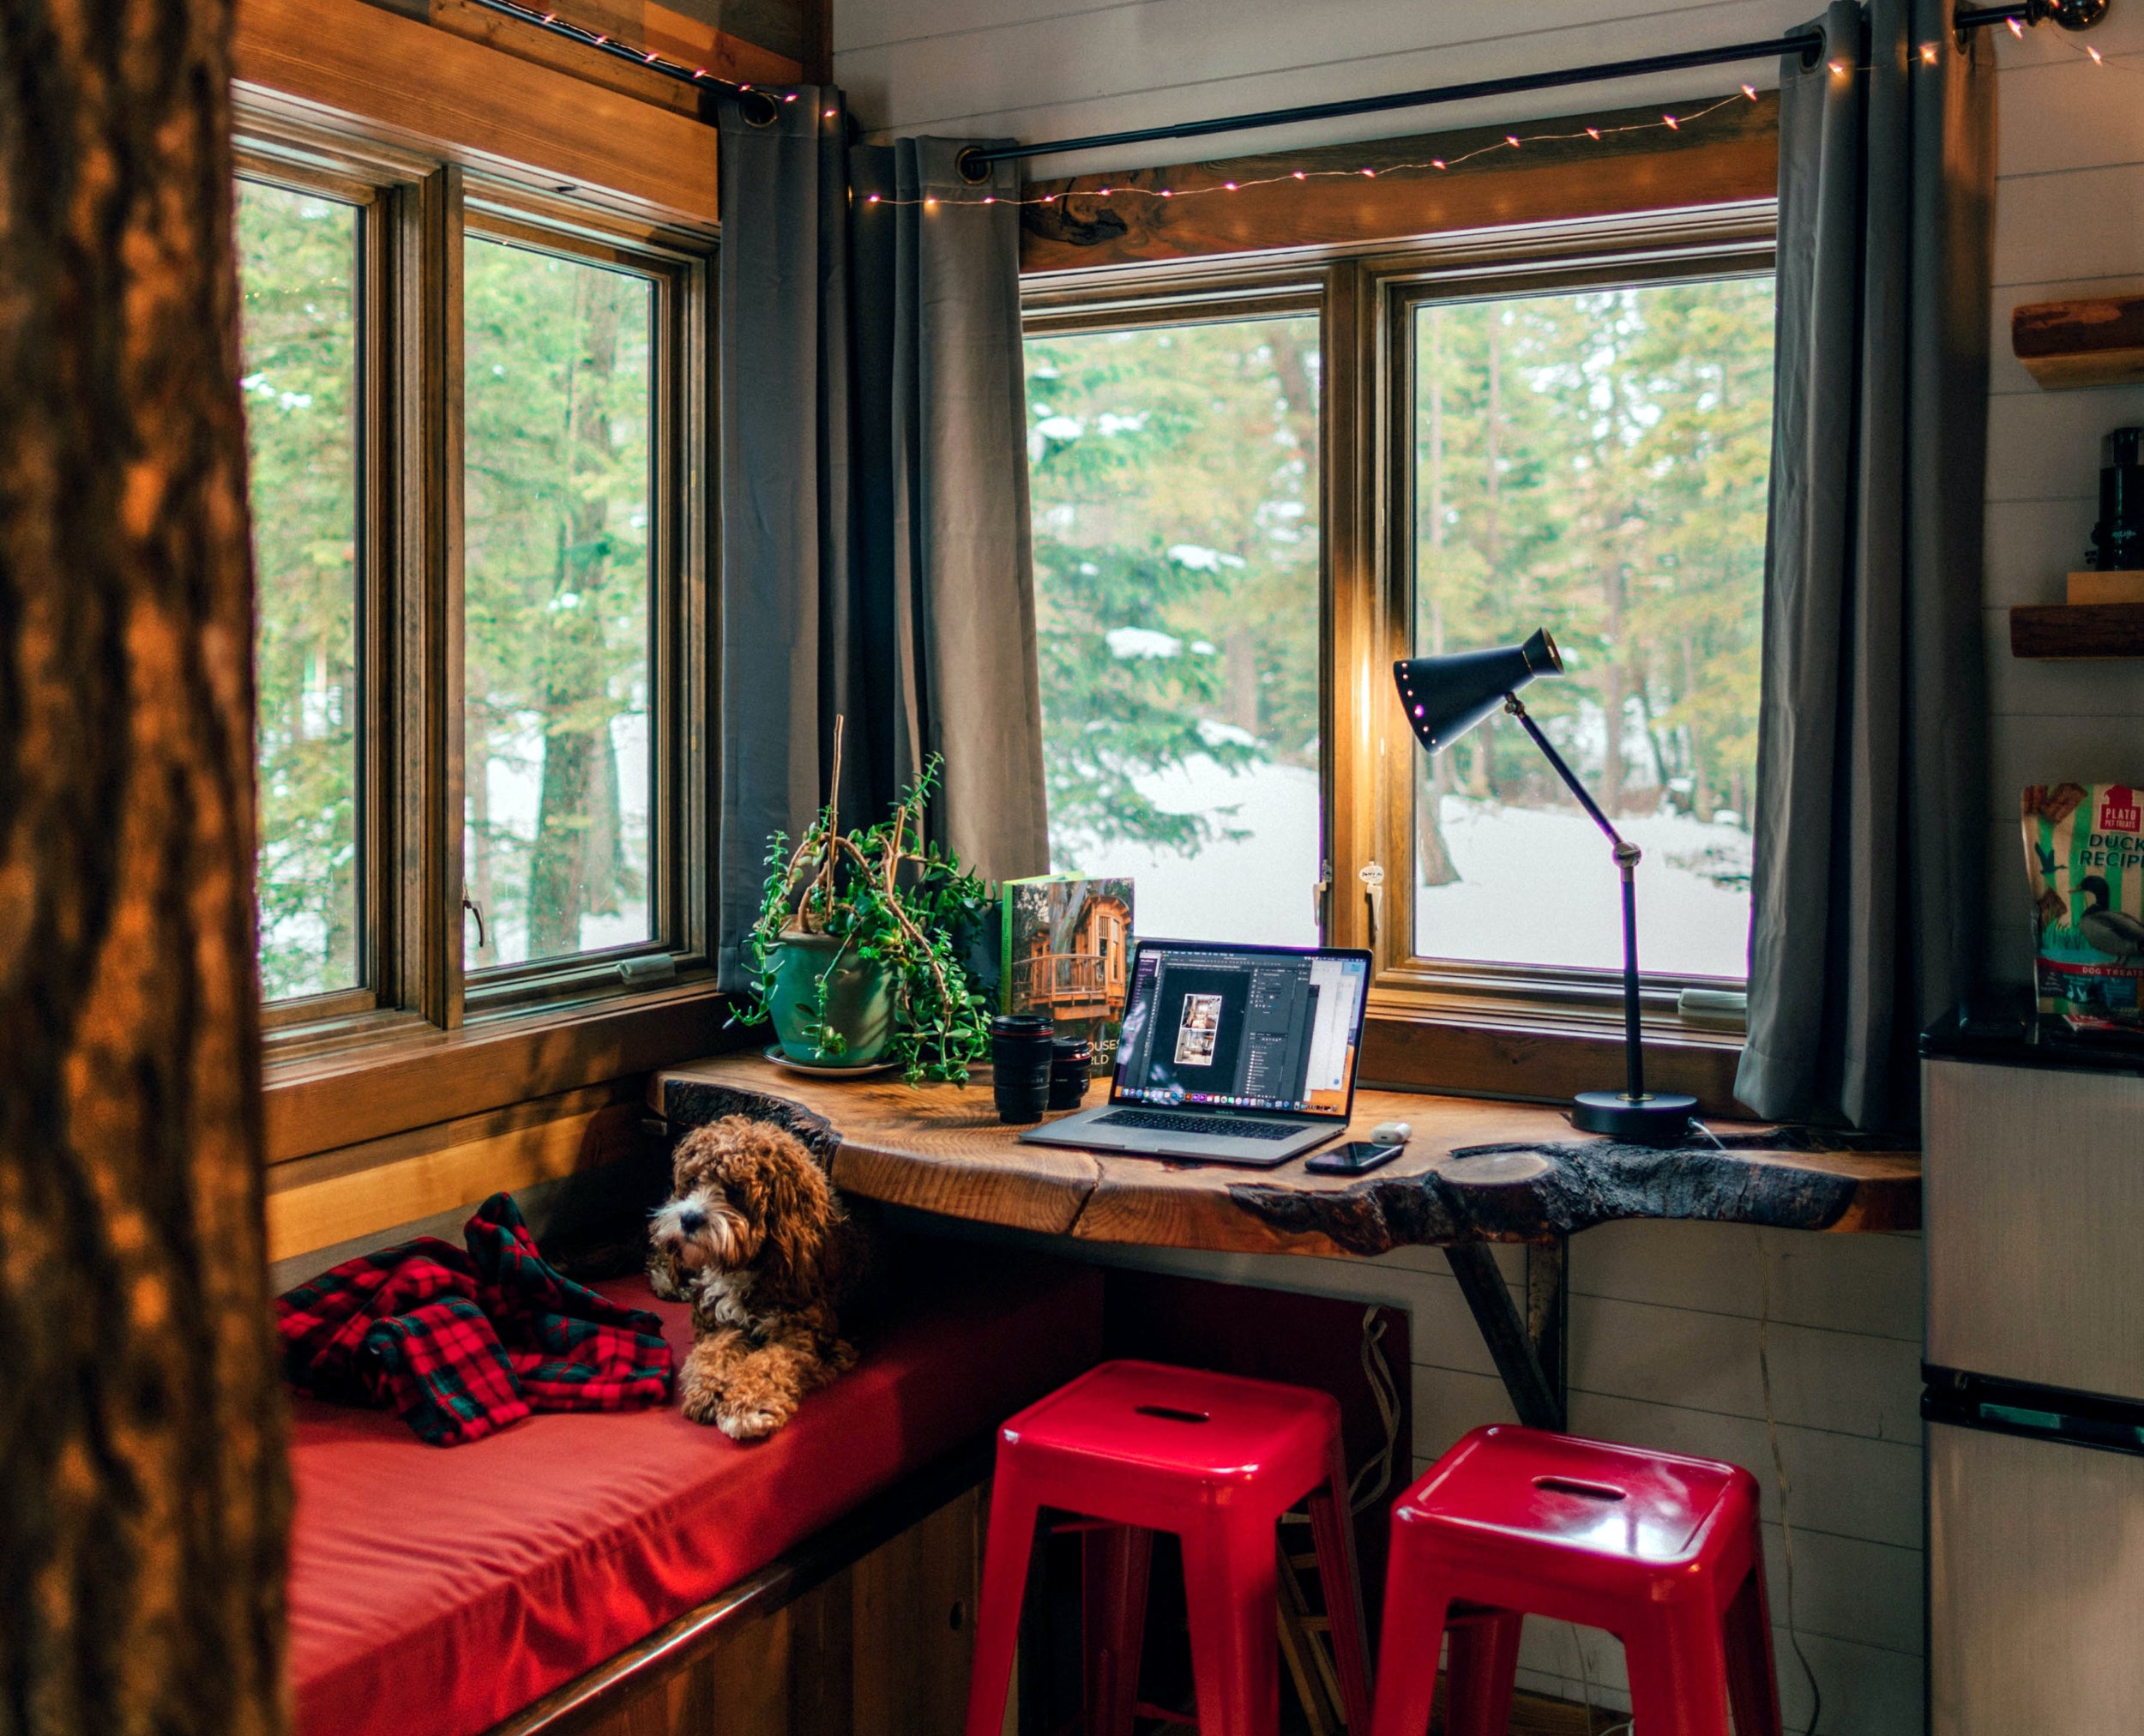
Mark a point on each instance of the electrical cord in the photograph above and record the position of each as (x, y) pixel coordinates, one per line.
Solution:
(1385, 1392)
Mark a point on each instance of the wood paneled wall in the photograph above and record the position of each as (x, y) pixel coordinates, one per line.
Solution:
(1559, 172)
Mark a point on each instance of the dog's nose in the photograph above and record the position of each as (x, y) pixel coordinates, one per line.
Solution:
(692, 1222)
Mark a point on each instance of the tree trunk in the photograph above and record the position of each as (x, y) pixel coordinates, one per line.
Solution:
(1432, 856)
(569, 876)
(143, 1493)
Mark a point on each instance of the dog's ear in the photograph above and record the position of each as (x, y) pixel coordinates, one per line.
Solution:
(697, 1154)
(797, 1214)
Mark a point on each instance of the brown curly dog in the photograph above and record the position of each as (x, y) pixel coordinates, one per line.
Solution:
(755, 1239)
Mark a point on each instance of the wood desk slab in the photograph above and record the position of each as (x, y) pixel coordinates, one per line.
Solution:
(941, 1148)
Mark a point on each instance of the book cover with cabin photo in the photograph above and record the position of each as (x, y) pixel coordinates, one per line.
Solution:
(1068, 947)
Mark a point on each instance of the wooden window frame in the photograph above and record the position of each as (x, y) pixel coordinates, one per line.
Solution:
(1512, 1030)
(430, 1042)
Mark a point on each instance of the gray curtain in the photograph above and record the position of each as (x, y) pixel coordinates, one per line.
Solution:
(1871, 784)
(875, 555)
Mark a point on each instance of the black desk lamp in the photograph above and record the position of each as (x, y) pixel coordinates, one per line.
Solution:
(1445, 697)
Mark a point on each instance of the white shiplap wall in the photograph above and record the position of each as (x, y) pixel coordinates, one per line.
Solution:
(2069, 220)
(1664, 1316)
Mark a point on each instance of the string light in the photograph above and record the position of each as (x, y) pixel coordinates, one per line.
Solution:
(2098, 59)
(1676, 122)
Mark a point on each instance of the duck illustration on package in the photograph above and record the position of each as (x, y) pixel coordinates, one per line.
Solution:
(2084, 855)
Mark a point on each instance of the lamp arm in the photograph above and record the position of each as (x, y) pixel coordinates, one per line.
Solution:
(1585, 800)
(1626, 857)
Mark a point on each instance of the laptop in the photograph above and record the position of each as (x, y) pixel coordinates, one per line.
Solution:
(1229, 1054)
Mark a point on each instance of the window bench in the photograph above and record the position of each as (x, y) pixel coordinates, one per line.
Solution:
(436, 1592)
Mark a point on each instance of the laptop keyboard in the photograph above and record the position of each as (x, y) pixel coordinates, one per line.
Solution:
(1221, 1126)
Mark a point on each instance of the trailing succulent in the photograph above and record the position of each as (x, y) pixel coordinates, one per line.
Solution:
(887, 897)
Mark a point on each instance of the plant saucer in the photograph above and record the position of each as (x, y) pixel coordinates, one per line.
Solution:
(817, 1071)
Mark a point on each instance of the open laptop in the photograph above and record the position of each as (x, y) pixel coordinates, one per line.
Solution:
(1230, 1054)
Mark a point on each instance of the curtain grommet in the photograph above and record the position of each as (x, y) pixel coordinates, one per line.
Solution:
(975, 170)
(758, 108)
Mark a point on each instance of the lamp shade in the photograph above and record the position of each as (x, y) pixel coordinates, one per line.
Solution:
(1446, 697)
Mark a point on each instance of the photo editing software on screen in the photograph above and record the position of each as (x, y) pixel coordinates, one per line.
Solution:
(1240, 1030)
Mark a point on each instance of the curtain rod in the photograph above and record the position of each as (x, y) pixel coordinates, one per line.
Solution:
(975, 162)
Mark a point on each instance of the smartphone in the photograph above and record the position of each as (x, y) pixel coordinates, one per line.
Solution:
(1356, 1157)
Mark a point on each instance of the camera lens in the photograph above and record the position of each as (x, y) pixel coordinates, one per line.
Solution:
(1021, 1045)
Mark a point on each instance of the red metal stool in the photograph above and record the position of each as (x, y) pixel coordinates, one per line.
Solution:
(1662, 1552)
(1215, 1459)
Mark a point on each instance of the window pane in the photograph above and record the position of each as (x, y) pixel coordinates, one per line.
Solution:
(1175, 486)
(556, 490)
(1596, 464)
(298, 262)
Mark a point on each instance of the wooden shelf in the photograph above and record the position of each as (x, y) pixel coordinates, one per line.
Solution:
(2091, 341)
(2077, 630)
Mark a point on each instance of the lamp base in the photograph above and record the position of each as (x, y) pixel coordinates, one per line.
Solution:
(1658, 1117)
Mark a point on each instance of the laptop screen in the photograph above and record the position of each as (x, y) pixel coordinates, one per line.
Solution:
(1242, 1027)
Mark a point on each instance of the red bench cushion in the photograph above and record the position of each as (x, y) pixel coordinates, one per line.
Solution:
(434, 1590)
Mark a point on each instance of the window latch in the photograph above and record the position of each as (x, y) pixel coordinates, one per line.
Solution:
(1318, 892)
(476, 910)
(1373, 879)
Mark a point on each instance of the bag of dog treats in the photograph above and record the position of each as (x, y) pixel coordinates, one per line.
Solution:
(2084, 856)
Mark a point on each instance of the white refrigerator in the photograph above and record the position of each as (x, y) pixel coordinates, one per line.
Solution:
(2034, 1215)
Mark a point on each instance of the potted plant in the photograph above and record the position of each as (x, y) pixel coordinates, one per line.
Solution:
(855, 952)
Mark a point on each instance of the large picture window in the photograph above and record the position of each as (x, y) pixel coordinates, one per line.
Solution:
(1595, 463)
(1255, 487)
(559, 354)
(1175, 481)
(472, 414)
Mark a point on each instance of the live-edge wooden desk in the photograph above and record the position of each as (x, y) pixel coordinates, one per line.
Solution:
(941, 1148)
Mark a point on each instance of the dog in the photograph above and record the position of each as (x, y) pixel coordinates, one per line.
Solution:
(755, 1237)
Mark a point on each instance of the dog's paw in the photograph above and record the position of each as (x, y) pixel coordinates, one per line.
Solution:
(749, 1423)
(701, 1404)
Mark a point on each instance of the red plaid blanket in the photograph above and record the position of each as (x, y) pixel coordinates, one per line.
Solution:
(460, 1344)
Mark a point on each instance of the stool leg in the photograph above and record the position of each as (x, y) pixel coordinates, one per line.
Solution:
(1115, 1565)
(1231, 1582)
(1333, 1531)
(1753, 1682)
(1679, 1673)
(1014, 1509)
(1483, 1673)
(1416, 1598)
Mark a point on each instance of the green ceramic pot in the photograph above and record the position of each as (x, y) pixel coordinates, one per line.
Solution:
(859, 1001)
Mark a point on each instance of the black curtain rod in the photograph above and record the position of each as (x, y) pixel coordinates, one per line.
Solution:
(2072, 15)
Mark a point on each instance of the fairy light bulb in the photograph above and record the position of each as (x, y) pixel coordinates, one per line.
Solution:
(2098, 59)
(1673, 125)
(2016, 29)
(1748, 90)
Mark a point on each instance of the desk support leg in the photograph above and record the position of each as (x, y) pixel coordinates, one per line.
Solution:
(1538, 1401)
(1549, 1314)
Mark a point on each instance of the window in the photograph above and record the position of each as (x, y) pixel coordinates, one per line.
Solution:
(1595, 463)
(477, 418)
(1256, 484)
(298, 259)
(1175, 483)
(557, 485)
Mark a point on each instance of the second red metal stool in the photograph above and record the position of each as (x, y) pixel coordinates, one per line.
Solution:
(1217, 1460)
(1663, 1552)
